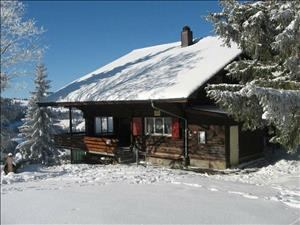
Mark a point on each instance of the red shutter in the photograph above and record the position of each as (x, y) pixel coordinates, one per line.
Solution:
(175, 128)
(136, 126)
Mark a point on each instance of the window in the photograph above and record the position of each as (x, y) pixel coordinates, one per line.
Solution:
(158, 126)
(104, 125)
(201, 137)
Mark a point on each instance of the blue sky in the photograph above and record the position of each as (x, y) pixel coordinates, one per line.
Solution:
(82, 36)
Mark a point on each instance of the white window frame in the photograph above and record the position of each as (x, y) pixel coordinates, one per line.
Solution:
(163, 124)
(101, 132)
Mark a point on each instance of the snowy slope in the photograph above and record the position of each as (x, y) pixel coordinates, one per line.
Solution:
(159, 72)
(130, 194)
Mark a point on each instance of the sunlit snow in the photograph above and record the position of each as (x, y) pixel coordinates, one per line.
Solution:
(159, 72)
(130, 194)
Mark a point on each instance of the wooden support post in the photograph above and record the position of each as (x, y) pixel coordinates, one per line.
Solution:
(70, 120)
(71, 131)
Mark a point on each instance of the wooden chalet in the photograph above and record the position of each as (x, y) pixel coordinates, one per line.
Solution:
(153, 100)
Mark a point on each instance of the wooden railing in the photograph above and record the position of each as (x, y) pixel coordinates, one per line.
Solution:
(100, 145)
(74, 141)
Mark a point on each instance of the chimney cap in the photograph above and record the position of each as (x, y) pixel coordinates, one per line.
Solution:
(186, 28)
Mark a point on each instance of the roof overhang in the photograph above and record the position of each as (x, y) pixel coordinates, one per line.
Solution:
(208, 110)
(125, 102)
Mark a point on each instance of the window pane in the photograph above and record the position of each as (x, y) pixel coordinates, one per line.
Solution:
(110, 125)
(168, 125)
(104, 124)
(201, 137)
(149, 126)
(98, 125)
(159, 125)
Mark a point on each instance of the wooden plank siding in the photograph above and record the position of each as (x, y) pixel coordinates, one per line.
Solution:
(101, 145)
(213, 149)
(214, 153)
(164, 147)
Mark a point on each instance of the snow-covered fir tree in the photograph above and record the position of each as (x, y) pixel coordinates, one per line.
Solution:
(37, 129)
(268, 72)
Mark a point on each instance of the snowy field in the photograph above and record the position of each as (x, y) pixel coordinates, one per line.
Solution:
(130, 194)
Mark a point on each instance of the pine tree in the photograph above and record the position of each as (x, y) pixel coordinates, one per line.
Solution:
(37, 129)
(268, 73)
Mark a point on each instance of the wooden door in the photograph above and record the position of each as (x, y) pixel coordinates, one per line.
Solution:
(234, 145)
(124, 132)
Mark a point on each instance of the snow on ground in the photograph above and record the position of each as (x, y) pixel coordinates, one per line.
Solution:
(146, 194)
(283, 176)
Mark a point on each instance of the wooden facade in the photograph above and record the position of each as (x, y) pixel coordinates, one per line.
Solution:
(206, 137)
(215, 150)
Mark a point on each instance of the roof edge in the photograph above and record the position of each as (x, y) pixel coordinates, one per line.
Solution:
(86, 103)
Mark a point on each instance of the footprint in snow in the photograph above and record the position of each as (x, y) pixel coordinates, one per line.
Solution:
(192, 185)
(187, 184)
(213, 189)
(250, 196)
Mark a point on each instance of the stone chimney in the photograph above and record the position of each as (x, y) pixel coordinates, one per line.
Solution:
(186, 36)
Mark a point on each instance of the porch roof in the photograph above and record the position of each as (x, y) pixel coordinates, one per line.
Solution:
(161, 72)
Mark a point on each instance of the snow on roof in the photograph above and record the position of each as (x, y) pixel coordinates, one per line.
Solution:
(165, 71)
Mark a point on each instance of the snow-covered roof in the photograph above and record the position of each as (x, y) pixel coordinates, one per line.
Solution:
(166, 71)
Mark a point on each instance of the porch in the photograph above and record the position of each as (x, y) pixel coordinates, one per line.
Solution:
(117, 132)
(82, 145)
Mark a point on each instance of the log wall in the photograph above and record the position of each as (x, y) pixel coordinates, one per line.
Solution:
(164, 147)
(214, 149)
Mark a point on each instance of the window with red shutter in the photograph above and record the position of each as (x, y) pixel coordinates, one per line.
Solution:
(136, 126)
(158, 126)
